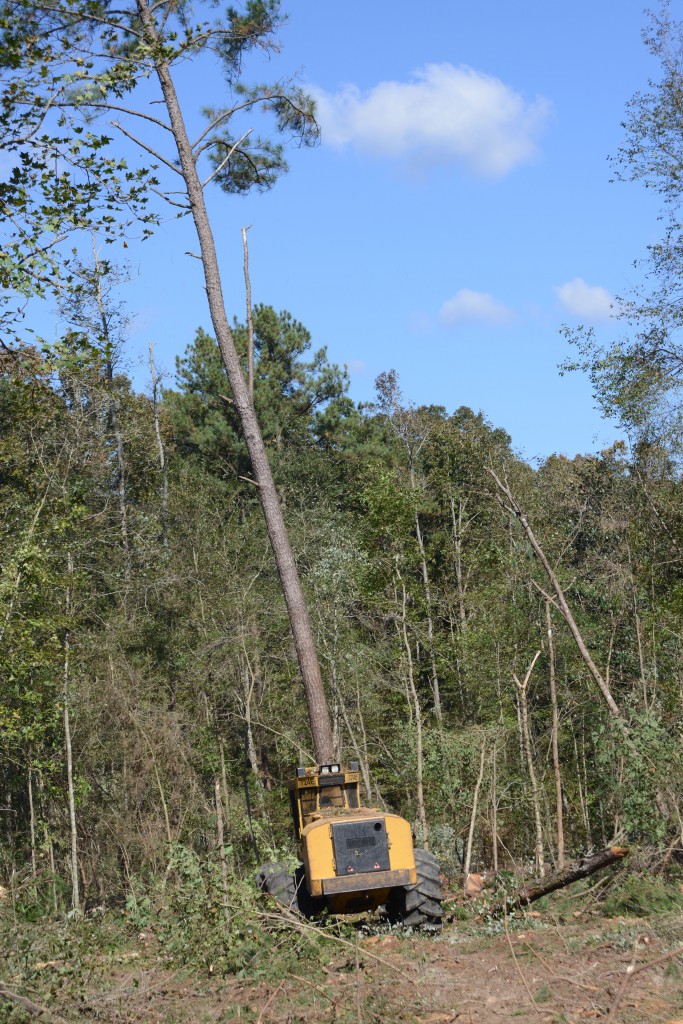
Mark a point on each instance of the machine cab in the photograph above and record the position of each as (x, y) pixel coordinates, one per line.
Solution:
(324, 791)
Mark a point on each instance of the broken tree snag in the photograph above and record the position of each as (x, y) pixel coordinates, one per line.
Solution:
(574, 873)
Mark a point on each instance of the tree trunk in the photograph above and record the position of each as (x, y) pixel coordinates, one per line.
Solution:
(475, 806)
(289, 577)
(47, 838)
(494, 808)
(220, 838)
(459, 575)
(555, 729)
(121, 489)
(589, 865)
(32, 821)
(252, 755)
(114, 419)
(365, 760)
(362, 761)
(430, 624)
(412, 690)
(163, 461)
(583, 798)
(75, 891)
(224, 779)
(148, 743)
(526, 738)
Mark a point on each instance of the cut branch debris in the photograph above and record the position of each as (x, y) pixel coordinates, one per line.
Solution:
(632, 970)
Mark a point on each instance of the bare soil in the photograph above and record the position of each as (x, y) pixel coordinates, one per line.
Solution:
(544, 969)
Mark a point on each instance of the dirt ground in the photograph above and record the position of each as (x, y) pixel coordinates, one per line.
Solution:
(543, 969)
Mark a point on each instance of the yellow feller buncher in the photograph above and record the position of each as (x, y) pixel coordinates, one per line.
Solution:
(353, 858)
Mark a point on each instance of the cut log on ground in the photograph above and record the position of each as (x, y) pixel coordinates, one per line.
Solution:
(573, 873)
(29, 1006)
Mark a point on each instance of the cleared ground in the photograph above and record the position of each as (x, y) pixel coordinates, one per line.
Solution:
(548, 967)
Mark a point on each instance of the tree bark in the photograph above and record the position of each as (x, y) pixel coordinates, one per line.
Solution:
(362, 760)
(361, 757)
(286, 566)
(162, 798)
(121, 487)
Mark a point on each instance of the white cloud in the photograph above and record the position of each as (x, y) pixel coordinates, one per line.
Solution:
(585, 300)
(443, 115)
(467, 306)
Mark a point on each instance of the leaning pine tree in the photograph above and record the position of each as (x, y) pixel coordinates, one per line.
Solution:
(72, 96)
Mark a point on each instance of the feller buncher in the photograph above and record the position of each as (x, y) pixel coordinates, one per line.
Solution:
(353, 858)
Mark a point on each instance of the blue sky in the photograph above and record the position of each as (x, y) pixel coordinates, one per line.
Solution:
(457, 212)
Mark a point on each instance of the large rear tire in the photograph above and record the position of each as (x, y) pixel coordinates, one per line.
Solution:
(419, 905)
(288, 888)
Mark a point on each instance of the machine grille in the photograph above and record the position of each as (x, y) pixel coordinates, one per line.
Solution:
(360, 846)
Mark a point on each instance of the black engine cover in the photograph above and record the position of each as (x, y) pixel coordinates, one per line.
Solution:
(360, 846)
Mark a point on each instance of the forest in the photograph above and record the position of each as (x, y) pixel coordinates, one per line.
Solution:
(501, 643)
(147, 644)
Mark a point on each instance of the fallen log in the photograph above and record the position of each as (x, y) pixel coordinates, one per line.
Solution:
(35, 1009)
(573, 873)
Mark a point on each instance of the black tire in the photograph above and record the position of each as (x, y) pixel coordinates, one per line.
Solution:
(278, 881)
(419, 905)
(288, 888)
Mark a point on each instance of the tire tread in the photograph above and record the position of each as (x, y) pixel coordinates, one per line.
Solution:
(419, 905)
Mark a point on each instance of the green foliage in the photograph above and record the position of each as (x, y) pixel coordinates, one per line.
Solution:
(637, 377)
(645, 766)
(69, 71)
(196, 923)
(169, 645)
(300, 403)
(642, 895)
